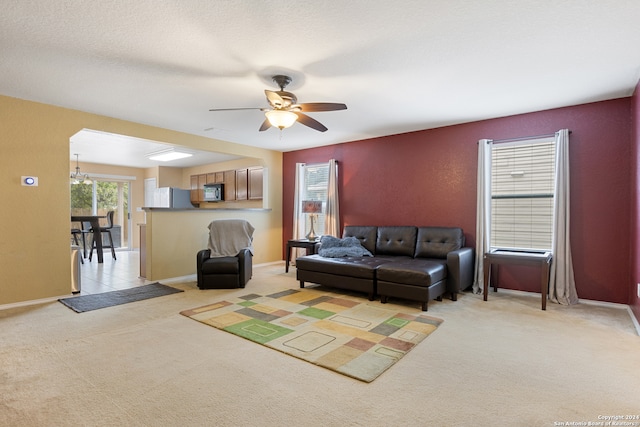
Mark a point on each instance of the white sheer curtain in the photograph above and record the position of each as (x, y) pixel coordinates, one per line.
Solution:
(332, 214)
(483, 211)
(298, 223)
(562, 285)
(331, 204)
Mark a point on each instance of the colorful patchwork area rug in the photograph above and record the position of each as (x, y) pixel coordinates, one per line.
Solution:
(335, 331)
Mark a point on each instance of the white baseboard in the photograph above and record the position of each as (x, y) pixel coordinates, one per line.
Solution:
(634, 320)
(194, 277)
(265, 264)
(32, 302)
(585, 301)
(188, 278)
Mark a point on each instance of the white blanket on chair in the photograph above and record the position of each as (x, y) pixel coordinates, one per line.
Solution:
(227, 237)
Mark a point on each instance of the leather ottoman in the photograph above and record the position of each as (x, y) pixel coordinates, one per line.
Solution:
(418, 280)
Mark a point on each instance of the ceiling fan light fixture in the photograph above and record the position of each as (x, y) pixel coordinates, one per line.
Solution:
(281, 119)
(168, 155)
(285, 111)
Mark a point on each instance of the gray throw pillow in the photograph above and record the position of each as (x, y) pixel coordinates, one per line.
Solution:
(332, 247)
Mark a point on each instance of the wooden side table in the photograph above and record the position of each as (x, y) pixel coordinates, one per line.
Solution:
(299, 243)
(496, 256)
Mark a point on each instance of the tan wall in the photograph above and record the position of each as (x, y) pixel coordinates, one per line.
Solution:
(170, 177)
(34, 221)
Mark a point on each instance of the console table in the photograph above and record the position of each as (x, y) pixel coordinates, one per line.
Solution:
(299, 243)
(497, 256)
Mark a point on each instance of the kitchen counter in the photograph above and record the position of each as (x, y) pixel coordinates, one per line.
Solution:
(173, 237)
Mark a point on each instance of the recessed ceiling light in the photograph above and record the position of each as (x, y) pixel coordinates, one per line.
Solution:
(168, 155)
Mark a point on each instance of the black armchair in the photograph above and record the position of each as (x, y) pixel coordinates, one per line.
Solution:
(224, 272)
(227, 262)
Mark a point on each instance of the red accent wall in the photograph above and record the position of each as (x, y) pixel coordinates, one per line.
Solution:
(429, 178)
(634, 259)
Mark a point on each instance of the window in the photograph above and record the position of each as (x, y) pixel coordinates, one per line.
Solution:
(315, 187)
(522, 194)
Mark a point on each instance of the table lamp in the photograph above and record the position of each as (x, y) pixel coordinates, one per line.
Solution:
(312, 207)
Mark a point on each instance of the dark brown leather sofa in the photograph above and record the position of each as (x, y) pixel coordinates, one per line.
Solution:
(414, 263)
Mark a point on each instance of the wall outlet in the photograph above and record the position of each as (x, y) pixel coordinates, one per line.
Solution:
(638, 290)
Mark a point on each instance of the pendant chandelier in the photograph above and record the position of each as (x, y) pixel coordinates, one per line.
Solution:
(78, 178)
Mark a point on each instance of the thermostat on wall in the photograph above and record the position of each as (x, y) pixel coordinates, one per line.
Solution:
(30, 181)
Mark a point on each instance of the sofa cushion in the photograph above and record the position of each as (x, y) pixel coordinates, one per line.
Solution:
(436, 242)
(221, 265)
(332, 247)
(361, 267)
(396, 241)
(417, 272)
(366, 234)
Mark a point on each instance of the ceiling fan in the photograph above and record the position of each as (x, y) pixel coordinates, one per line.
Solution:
(285, 110)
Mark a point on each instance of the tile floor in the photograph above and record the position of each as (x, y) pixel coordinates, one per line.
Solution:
(111, 275)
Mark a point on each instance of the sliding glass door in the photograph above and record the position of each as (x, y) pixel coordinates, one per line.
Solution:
(100, 197)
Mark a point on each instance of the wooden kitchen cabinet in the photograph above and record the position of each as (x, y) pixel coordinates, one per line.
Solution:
(194, 189)
(215, 178)
(255, 183)
(229, 186)
(202, 180)
(242, 183)
(239, 184)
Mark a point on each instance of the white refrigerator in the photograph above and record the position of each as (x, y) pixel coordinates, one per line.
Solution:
(171, 197)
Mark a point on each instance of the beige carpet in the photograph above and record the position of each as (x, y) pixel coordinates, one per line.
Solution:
(500, 362)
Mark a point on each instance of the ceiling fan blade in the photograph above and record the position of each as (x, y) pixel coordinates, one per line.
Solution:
(312, 123)
(274, 99)
(235, 109)
(322, 106)
(265, 125)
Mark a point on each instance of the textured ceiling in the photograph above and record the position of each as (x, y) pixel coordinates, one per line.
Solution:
(399, 66)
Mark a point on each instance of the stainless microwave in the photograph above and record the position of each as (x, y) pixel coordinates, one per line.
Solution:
(214, 192)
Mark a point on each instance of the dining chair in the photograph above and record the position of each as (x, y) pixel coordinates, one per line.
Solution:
(106, 230)
(86, 230)
(83, 232)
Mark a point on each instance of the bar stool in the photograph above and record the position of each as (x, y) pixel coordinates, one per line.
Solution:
(107, 230)
(84, 231)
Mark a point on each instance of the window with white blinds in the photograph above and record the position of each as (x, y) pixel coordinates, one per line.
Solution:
(522, 192)
(316, 187)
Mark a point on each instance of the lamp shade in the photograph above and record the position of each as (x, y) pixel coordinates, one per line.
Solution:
(312, 206)
(281, 118)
